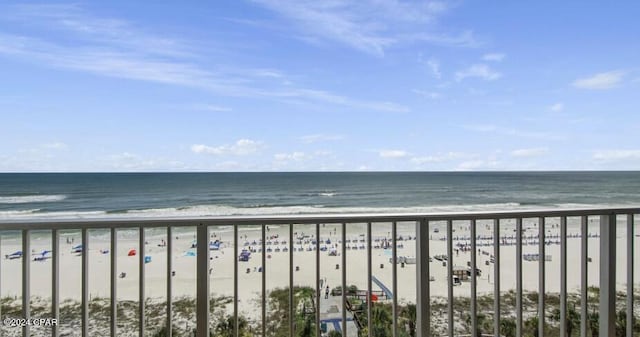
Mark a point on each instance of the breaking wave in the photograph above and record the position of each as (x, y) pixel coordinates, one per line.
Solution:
(27, 199)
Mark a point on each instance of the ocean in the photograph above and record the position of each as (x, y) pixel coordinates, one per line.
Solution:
(102, 195)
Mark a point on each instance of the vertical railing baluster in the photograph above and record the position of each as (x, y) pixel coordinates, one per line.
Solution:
(607, 321)
(496, 277)
(318, 288)
(344, 279)
(584, 239)
(630, 238)
(202, 282)
(169, 281)
(113, 282)
(85, 282)
(563, 276)
(519, 277)
(55, 280)
(474, 286)
(291, 300)
(450, 277)
(26, 280)
(263, 298)
(236, 250)
(394, 278)
(423, 298)
(141, 293)
(369, 275)
(1, 279)
(541, 274)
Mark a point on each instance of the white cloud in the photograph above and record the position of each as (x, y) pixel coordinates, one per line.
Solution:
(293, 156)
(496, 57)
(482, 71)
(55, 146)
(370, 26)
(438, 158)
(239, 148)
(393, 153)
(434, 66)
(478, 165)
(530, 152)
(118, 49)
(557, 107)
(321, 137)
(512, 132)
(600, 81)
(615, 155)
(427, 94)
(212, 108)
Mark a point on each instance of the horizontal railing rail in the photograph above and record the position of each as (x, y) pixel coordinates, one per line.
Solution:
(607, 236)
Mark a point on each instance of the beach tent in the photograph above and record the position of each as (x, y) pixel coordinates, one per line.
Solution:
(189, 253)
(214, 245)
(14, 255)
(131, 252)
(147, 259)
(77, 249)
(46, 254)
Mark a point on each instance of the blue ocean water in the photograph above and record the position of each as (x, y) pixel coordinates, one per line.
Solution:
(91, 195)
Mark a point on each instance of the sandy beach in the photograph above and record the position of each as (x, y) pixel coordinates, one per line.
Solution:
(277, 269)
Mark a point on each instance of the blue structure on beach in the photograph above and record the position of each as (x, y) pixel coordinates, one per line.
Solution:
(384, 288)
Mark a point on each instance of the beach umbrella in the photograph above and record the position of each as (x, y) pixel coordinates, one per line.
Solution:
(132, 252)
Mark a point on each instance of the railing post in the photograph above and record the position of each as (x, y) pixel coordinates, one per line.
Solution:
(630, 252)
(169, 282)
(519, 327)
(607, 275)
(450, 325)
(141, 293)
(202, 274)
(114, 282)
(26, 280)
(85, 282)
(422, 282)
(584, 242)
(55, 280)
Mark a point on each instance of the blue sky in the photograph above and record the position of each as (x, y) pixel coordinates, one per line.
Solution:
(302, 85)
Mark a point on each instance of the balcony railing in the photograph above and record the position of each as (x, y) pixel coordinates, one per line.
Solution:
(608, 219)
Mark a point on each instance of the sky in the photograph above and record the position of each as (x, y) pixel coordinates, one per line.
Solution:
(364, 85)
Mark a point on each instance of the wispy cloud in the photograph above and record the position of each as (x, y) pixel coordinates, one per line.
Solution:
(56, 146)
(321, 137)
(239, 148)
(393, 154)
(495, 57)
(438, 158)
(530, 152)
(434, 67)
(211, 108)
(427, 93)
(513, 132)
(481, 71)
(370, 26)
(600, 81)
(115, 48)
(557, 107)
(293, 156)
(616, 155)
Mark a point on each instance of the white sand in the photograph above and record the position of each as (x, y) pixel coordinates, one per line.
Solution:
(184, 283)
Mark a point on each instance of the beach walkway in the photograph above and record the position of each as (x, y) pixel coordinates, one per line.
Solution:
(331, 316)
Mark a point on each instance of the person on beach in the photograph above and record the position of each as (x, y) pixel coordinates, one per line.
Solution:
(326, 293)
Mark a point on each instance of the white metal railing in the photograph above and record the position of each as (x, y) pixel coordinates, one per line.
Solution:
(607, 264)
